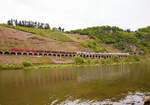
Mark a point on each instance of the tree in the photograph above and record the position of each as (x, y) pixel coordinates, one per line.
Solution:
(63, 30)
(59, 29)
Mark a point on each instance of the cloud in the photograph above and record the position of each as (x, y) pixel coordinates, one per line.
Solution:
(74, 14)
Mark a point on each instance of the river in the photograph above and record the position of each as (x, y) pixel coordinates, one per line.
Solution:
(92, 85)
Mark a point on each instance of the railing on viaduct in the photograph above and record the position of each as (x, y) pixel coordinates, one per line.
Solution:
(61, 54)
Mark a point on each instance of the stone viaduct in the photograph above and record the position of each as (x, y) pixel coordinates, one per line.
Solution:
(59, 54)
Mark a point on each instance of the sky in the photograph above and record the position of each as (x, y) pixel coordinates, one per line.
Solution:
(75, 14)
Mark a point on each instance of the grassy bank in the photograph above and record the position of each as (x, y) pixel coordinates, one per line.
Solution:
(78, 61)
(21, 67)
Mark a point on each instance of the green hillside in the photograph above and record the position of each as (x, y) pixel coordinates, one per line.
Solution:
(103, 38)
(53, 34)
(97, 39)
(52, 39)
(124, 40)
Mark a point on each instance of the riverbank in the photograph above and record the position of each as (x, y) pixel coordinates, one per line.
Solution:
(19, 66)
(78, 61)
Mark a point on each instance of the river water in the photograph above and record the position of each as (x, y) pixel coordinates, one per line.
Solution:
(112, 85)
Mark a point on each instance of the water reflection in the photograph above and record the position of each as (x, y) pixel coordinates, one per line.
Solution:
(107, 84)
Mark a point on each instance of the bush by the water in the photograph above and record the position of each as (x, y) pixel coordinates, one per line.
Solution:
(11, 66)
(132, 58)
(26, 63)
(115, 58)
(78, 60)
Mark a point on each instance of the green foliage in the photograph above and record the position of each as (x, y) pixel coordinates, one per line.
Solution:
(132, 58)
(136, 57)
(120, 45)
(11, 66)
(109, 40)
(26, 63)
(78, 60)
(122, 40)
(94, 45)
(115, 58)
(88, 61)
(102, 50)
(103, 61)
(88, 44)
(94, 61)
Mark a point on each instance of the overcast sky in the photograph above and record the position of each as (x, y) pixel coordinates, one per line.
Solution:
(74, 14)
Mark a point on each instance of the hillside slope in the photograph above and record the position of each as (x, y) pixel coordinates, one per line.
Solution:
(34, 38)
(94, 39)
(124, 40)
(12, 38)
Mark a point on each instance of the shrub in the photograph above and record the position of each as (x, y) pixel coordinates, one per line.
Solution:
(115, 58)
(109, 40)
(95, 61)
(136, 57)
(78, 60)
(108, 61)
(88, 61)
(132, 58)
(103, 61)
(26, 63)
(125, 60)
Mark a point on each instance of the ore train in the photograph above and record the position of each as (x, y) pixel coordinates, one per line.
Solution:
(64, 52)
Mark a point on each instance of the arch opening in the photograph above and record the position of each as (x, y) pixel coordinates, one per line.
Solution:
(18, 53)
(6, 53)
(13, 53)
(35, 54)
(24, 53)
(49, 54)
(45, 54)
(40, 54)
(30, 54)
(1, 52)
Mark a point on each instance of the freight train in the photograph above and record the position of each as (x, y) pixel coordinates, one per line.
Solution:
(41, 51)
(64, 52)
